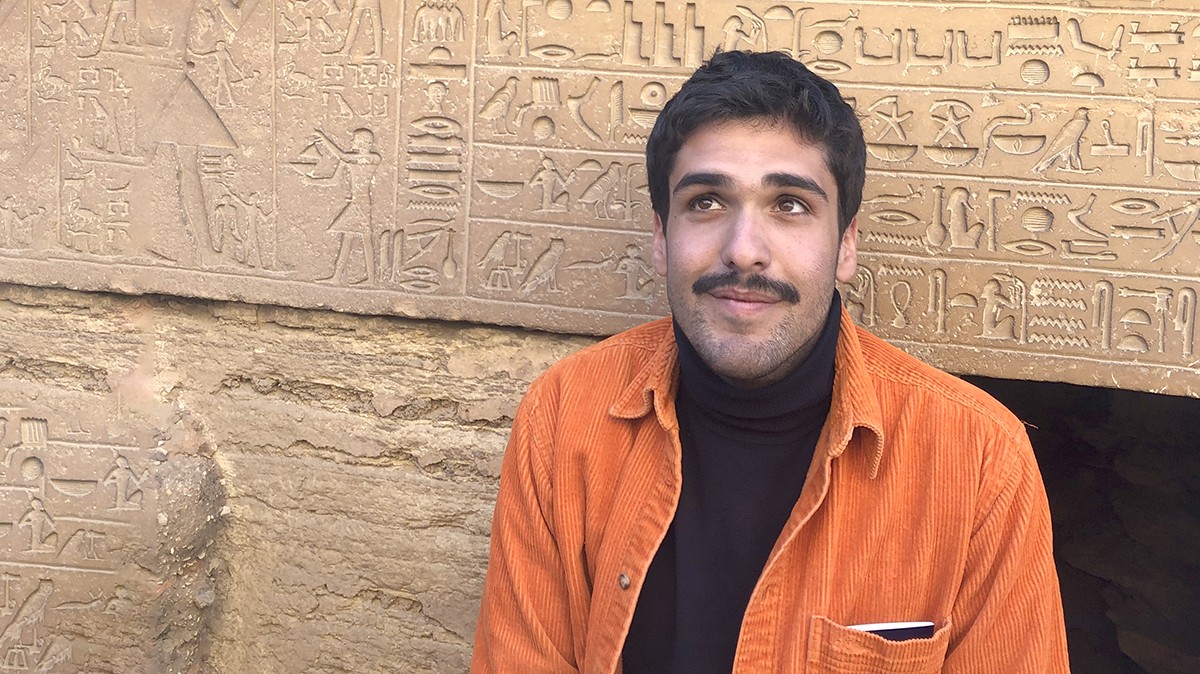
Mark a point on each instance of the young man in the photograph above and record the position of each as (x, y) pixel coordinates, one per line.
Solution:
(733, 488)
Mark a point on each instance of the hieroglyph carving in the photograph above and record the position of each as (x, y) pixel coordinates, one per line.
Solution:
(482, 160)
(69, 508)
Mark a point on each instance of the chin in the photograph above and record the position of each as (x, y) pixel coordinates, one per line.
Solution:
(739, 362)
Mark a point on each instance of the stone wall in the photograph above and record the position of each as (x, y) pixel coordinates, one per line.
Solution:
(196, 479)
(239, 488)
(1031, 189)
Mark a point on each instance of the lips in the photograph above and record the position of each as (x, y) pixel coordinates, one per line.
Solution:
(739, 295)
(754, 288)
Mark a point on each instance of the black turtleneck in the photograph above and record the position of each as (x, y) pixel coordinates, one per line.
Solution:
(746, 452)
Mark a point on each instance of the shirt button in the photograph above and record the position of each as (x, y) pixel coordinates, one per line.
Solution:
(623, 581)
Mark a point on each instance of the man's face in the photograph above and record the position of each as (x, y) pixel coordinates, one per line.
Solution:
(751, 249)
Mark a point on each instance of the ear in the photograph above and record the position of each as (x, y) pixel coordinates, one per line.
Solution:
(847, 262)
(660, 246)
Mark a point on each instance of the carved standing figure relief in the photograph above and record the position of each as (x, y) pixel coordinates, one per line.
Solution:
(353, 222)
(368, 10)
(228, 74)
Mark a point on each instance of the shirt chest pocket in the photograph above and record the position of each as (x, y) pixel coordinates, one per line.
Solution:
(835, 649)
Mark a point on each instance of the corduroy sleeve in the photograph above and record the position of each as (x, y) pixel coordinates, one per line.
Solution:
(524, 622)
(1007, 617)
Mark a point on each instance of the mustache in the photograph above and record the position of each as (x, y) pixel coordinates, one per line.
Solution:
(786, 292)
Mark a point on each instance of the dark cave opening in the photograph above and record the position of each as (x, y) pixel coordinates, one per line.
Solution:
(1122, 472)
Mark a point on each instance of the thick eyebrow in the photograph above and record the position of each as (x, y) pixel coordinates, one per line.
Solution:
(799, 182)
(705, 179)
(779, 179)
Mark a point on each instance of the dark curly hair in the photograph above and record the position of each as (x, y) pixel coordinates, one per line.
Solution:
(739, 85)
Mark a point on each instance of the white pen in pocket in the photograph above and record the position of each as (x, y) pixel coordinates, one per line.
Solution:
(898, 631)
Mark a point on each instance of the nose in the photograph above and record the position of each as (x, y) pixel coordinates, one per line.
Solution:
(745, 246)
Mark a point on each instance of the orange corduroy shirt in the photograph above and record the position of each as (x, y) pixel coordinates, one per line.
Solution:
(923, 502)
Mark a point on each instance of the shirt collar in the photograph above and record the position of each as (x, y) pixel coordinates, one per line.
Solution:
(654, 386)
(854, 403)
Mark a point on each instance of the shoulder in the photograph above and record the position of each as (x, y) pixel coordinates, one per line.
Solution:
(947, 429)
(905, 384)
(585, 394)
(611, 364)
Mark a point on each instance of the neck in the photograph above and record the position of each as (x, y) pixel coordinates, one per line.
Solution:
(797, 400)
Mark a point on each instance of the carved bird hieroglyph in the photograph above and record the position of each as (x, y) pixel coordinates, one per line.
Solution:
(30, 615)
(496, 108)
(545, 268)
(1065, 146)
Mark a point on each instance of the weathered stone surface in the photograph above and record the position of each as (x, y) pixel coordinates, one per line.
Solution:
(105, 524)
(1032, 179)
(315, 488)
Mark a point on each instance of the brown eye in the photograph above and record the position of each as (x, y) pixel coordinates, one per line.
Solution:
(792, 205)
(705, 203)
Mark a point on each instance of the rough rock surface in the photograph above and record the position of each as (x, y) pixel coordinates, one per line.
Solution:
(323, 483)
(110, 501)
